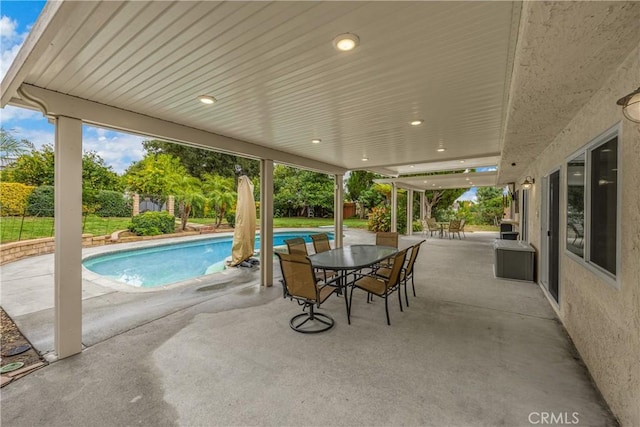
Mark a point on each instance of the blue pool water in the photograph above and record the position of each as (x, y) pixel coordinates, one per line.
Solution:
(165, 264)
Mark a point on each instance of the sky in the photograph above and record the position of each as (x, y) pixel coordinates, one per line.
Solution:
(117, 149)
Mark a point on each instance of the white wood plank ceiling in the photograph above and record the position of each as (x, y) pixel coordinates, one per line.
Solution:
(467, 69)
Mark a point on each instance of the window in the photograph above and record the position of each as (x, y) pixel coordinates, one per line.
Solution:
(592, 204)
(575, 205)
(604, 203)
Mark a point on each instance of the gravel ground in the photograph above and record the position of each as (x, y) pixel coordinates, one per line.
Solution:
(10, 338)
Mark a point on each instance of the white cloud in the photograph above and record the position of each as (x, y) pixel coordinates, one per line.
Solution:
(8, 28)
(10, 43)
(10, 113)
(117, 150)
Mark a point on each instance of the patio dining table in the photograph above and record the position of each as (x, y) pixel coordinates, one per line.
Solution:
(349, 259)
(442, 226)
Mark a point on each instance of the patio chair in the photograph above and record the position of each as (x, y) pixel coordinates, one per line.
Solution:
(432, 225)
(300, 284)
(381, 286)
(454, 228)
(321, 242)
(297, 246)
(407, 270)
(462, 222)
(386, 238)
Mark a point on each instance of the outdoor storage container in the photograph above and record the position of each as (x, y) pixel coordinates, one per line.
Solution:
(514, 259)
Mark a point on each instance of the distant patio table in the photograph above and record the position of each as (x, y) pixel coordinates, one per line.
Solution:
(348, 259)
(442, 226)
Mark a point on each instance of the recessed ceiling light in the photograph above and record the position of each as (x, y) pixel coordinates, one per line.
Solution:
(206, 99)
(577, 174)
(470, 183)
(424, 182)
(467, 179)
(364, 159)
(316, 140)
(346, 42)
(440, 150)
(416, 122)
(412, 166)
(433, 185)
(461, 161)
(439, 186)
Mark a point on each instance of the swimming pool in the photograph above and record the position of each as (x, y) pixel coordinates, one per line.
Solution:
(170, 263)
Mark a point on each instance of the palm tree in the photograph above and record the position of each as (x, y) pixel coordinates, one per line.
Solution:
(220, 192)
(11, 148)
(187, 191)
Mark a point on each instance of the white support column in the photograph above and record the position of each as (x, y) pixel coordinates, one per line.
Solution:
(394, 207)
(422, 207)
(338, 211)
(266, 223)
(68, 235)
(409, 212)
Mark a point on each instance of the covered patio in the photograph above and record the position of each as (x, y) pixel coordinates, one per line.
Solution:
(428, 87)
(469, 350)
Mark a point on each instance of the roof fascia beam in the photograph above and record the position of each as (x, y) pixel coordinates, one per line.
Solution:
(93, 113)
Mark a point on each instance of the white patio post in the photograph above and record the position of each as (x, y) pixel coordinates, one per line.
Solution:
(337, 211)
(409, 212)
(394, 207)
(422, 209)
(68, 237)
(266, 222)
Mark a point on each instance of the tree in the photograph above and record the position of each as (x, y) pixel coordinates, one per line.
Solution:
(298, 192)
(220, 192)
(198, 161)
(187, 191)
(155, 175)
(489, 205)
(11, 148)
(37, 168)
(360, 190)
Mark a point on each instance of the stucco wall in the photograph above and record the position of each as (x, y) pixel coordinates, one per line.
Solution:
(604, 322)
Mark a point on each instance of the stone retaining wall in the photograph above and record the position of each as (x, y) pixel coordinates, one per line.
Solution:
(14, 251)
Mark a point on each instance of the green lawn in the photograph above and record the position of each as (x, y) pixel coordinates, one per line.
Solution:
(17, 228)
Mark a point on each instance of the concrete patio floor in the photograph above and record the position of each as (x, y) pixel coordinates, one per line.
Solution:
(470, 350)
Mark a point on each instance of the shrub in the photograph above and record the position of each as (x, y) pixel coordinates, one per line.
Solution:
(112, 204)
(14, 197)
(230, 216)
(152, 223)
(41, 201)
(379, 219)
(417, 225)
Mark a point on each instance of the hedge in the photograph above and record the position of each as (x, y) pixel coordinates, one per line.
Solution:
(112, 204)
(153, 223)
(14, 197)
(41, 201)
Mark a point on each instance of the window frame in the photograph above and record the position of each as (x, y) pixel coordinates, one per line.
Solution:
(609, 278)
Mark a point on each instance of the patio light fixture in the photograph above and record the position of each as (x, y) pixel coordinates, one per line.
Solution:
(316, 140)
(631, 106)
(440, 150)
(364, 159)
(345, 42)
(206, 99)
(528, 182)
(416, 122)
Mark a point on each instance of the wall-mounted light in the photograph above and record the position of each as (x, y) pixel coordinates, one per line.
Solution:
(528, 182)
(631, 106)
